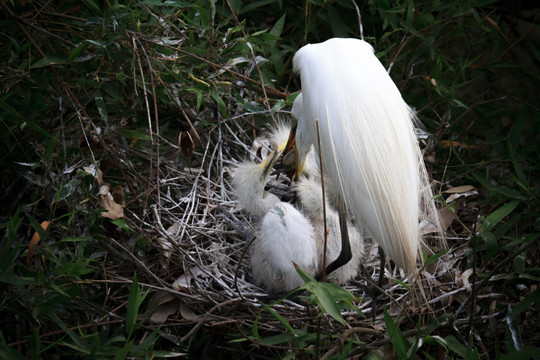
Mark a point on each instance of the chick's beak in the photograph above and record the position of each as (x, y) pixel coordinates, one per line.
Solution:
(271, 159)
(268, 163)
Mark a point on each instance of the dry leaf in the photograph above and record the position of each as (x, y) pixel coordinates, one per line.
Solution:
(184, 281)
(113, 209)
(189, 314)
(163, 305)
(465, 279)
(460, 189)
(446, 217)
(118, 195)
(166, 246)
(453, 143)
(34, 242)
(458, 195)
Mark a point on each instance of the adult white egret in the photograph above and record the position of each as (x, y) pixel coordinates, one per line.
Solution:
(368, 145)
(285, 235)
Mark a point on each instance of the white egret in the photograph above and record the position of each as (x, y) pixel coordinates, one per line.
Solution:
(368, 145)
(285, 235)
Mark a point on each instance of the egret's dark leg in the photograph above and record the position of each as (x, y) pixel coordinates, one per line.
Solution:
(373, 288)
(345, 255)
(382, 256)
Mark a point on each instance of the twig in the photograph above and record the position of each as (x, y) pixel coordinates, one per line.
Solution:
(266, 101)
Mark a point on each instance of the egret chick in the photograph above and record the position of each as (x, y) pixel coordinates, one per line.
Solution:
(285, 236)
(309, 192)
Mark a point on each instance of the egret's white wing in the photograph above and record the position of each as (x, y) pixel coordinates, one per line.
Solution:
(369, 148)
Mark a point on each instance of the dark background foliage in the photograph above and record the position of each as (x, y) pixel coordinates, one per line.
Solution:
(116, 84)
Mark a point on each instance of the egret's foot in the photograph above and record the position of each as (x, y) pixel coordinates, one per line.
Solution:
(374, 289)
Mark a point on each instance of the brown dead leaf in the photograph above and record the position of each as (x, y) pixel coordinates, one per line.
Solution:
(465, 279)
(447, 217)
(34, 242)
(166, 246)
(113, 209)
(453, 143)
(188, 314)
(118, 195)
(457, 197)
(184, 281)
(162, 305)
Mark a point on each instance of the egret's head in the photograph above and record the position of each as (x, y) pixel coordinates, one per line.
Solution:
(248, 182)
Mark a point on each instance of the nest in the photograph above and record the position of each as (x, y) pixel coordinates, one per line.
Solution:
(202, 238)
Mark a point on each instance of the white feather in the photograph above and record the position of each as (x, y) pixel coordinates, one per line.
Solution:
(286, 236)
(369, 149)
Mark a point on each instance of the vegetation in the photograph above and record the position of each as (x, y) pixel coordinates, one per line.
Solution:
(118, 124)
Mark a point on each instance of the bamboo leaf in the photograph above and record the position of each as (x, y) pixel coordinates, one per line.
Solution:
(495, 217)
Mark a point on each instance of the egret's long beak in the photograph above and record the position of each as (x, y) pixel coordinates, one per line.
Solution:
(298, 165)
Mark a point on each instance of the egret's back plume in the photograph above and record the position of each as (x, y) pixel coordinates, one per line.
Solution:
(369, 149)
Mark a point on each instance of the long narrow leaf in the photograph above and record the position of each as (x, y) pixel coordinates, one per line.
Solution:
(396, 338)
(495, 217)
(133, 305)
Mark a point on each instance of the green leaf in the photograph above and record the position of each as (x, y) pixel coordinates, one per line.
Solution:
(307, 277)
(134, 134)
(456, 346)
(122, 223)
(255, 328)
(134, 301)
(37, 227)
(75, 53)
(326, 302)
(8, 352)
(531, 300)
(495, 217)
(529, 352)
(49, 60)
(432, 259)
(124, 351)
(279, 318)
(277, 339)
(78, 342)
(76, 239)
(396, 338)
(278, 27)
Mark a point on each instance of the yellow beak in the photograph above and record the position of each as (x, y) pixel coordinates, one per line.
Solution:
(270, 160)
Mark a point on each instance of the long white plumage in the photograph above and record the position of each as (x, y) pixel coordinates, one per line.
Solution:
(369, 149)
